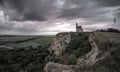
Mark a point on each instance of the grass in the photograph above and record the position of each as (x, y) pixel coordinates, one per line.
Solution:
(115, 37)
(44, 40)
(110, 64)
(33, 41)
(14, 38)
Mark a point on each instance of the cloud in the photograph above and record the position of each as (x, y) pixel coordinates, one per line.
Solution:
(13, 27)
(52, 16)
(42, 10)
(37, 10)
(108, 3)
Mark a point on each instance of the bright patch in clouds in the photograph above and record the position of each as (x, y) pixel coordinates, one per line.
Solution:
(2, 15)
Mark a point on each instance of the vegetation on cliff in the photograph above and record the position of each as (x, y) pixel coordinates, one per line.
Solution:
(109, 64)
(103, 57)
(77, 47)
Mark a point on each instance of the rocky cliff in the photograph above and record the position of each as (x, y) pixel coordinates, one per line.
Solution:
(94, 60)
(61, 42)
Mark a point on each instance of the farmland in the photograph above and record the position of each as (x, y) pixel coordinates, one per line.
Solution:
(25, 41)
(23, 53)
(44, 40)
(115, 37)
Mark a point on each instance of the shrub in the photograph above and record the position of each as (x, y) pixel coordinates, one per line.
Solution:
(73, 45)
(72, 59)
(18, 60)
(79, 45)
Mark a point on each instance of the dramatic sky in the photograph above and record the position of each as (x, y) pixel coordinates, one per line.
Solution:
(48, 17)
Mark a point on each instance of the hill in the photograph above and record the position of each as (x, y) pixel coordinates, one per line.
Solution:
(68, 52)
(101, 56)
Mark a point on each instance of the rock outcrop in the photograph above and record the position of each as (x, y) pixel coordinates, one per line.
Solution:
(92, 57)
(61, 42)
(55, 67)
(85, 62)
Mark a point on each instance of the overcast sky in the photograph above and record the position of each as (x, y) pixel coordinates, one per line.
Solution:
(48, 17)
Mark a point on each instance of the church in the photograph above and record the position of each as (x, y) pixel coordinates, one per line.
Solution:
(79, 28)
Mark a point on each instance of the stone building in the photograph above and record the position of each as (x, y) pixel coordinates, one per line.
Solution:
(78, 28)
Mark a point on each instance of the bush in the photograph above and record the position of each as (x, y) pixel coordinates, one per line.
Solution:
(18, 60)
(73, 45)
(72, 59)
(108, 30)
(79, 45)
(110, 64)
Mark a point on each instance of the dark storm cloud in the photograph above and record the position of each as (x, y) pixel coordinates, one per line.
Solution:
(28, 9)
(11, 27)
(40, 10)
(78, 9)
(86, 8)
(108, 3)
(82, 13)
(117, 12)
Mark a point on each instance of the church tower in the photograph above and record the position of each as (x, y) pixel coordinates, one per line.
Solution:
(78, 28)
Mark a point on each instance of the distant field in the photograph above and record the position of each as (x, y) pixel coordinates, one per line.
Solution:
(44, 40)
(14, 38)
(115, 37)
(25, 41)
